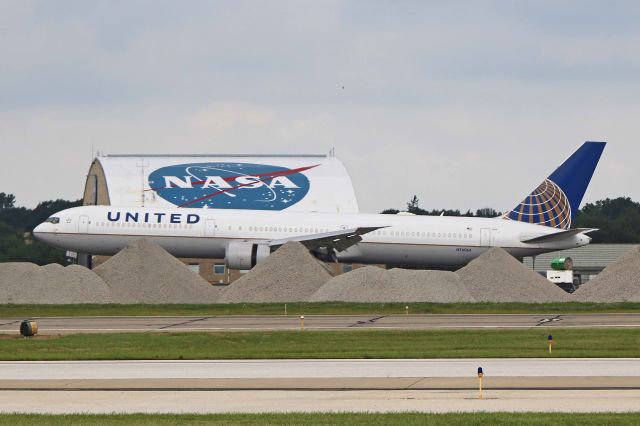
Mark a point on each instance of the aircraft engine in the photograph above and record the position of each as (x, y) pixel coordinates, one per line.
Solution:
(245, 255)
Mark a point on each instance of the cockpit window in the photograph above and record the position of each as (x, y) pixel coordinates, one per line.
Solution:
(53, 220)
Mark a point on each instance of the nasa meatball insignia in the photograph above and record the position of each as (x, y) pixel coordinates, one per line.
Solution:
(230, 185)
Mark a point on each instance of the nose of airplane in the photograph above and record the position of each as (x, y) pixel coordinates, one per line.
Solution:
(39, 232)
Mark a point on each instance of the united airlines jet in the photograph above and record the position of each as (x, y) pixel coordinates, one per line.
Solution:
(540, 223)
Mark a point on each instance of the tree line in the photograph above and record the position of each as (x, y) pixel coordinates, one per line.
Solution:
(618, 221)
(16, 226)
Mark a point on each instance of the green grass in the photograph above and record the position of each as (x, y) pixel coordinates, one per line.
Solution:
(361, 344)
(330, 308)
(364, 419)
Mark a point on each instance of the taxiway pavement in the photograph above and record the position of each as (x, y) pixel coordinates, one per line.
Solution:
(98, 324)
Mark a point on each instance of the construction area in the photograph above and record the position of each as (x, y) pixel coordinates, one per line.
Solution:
(145, 273)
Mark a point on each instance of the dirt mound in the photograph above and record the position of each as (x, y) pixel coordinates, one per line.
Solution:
(289, 274)
(618, 282)
(372, 284)
(144, 272)
(496, 276)
(50, 284)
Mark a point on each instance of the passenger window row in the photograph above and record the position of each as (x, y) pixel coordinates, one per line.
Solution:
(143, 225)
(297, 230)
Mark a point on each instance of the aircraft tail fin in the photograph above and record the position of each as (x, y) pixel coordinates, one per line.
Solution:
(557, 199)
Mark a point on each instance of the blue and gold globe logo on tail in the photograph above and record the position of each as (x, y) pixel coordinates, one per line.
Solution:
(547, 205)
(230, 185)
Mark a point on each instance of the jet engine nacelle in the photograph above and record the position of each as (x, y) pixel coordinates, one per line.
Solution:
(245, 255)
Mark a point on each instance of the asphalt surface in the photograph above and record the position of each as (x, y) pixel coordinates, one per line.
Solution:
(70, 325)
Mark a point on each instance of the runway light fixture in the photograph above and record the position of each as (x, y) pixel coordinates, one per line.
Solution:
(480, 376)
(550, 343)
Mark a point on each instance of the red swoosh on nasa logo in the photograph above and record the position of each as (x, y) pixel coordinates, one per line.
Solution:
(267, 177)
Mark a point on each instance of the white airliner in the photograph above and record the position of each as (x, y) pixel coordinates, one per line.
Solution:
(540, 223)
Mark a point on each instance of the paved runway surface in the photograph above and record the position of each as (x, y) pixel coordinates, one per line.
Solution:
(319, 385)
(68, 325)
(324, 401)
(272, 369)
(322, 374)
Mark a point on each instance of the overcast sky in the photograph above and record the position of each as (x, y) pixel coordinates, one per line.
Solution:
(466, 104)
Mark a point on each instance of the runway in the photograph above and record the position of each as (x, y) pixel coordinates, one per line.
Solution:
(533, 373)
(70, 325)
(376, 401)
(439, 385)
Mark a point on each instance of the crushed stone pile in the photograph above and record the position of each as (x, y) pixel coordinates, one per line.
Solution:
(289, 274)
(354, 286)
(496, 276)
(144, 272)
(372, 284)
(50, 284)
(618, 282)
(428, 286)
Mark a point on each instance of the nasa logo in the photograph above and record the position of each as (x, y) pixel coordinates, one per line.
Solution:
(230, 185)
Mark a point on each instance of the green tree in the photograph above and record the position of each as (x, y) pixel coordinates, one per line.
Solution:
(487, 212)
(617, 220)
(17, 223)
(7, 201)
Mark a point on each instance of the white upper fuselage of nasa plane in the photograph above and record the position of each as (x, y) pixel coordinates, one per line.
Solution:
(407, 240)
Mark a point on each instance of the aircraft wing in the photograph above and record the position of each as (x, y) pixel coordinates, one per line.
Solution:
(556, 236)
(328, 241)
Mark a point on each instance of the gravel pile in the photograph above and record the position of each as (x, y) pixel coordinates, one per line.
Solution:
(372, 284)
(290, 274)
(50, 284)
(144, 272)
(358, 285)
(496, 276)
(618, 282)
(428, 286)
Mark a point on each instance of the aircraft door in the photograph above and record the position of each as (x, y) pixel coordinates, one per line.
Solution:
(83, 224)
(210, 228)
(485, 237)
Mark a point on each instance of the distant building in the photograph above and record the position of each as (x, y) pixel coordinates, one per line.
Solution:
(304, 183)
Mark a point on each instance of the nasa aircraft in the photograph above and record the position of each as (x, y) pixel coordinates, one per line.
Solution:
(540, 223)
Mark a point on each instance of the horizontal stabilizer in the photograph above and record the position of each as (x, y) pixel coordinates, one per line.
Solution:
(557, 236)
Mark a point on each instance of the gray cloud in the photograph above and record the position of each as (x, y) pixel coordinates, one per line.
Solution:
(467, 104)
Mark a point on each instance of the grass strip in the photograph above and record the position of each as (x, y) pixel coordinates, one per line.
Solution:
(358, 344)
(364, 419)
(329, 308)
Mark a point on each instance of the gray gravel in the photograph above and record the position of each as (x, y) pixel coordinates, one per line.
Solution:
(618, 282)
(50, 284)
(360, 285)
(373, 284)
(144, 272)
(496, 276)
(290, 274)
